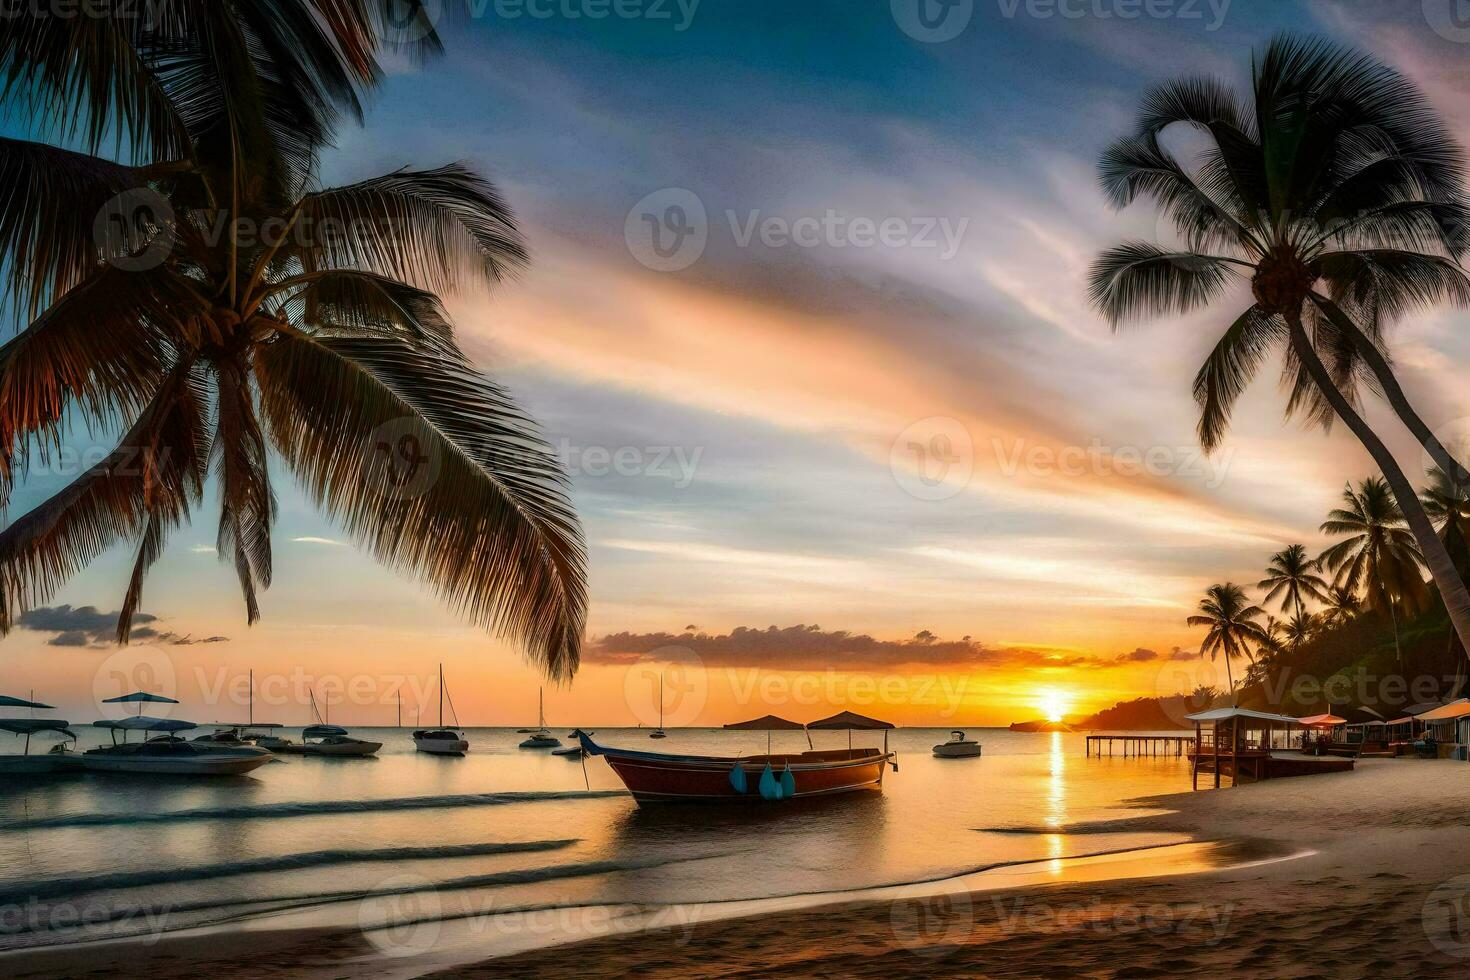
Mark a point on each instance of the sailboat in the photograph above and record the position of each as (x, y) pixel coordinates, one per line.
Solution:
(321, 739)
(659, 731)
(541, 738)
(441, 740)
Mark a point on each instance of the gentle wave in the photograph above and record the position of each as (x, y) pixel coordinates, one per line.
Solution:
(243, 908)
(54, 887)
(275, 811)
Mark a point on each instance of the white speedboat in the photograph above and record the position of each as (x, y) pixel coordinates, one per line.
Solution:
(27, 764)
(958, 747)
(540, 737)
(169, 755)
(325, 740)
(441, 740)
(570, 752)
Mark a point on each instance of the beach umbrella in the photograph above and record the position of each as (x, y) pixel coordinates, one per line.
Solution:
(768, 724)
(6, 701)
(850, 720)
(140, 698)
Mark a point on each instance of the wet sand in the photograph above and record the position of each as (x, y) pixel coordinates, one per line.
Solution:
(1379, 886)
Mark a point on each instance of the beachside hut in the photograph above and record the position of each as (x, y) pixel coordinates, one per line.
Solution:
(1235, 740)
(1319, 729)
(851, 720)
(1450, 726)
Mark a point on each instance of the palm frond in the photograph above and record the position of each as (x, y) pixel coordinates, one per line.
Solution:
(435, 229)
(431, 467)
(1229, 369)
(1136, 279)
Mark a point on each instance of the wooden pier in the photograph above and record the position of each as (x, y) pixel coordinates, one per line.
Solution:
(1139, 745)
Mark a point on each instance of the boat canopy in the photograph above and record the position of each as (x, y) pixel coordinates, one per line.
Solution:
(140, 697)
(30, 726)
(850, 720)
(6, 701)
(146, 723)
(767, 723)
(322, 731)
(1225, 714)
(1457, 709)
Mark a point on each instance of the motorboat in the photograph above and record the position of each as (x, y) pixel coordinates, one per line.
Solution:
(540, 737)
(958, 747)
(570, 752)
(167, 753)
(441, 740)
(27, 764)
(322, 740)
(657, 777)
(237, 734)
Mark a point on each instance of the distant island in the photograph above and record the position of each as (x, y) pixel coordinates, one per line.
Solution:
(1040, 726)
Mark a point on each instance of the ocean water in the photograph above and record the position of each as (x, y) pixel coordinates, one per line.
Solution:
(407, 837)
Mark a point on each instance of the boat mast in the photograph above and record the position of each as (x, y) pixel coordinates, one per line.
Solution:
(441, 694)
(250, 712)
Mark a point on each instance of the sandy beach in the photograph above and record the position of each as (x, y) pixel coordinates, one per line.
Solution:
(1379, 888)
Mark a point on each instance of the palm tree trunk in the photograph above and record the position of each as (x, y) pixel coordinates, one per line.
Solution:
(1451, 588)
(1376, 362)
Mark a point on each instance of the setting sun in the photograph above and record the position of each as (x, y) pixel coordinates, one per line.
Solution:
(1054, 704)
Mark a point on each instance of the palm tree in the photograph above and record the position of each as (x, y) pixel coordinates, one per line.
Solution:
(1292, 578)
(1231, 621)
(1379, 559)
(1447, 502)
(310, 326)
(1335, 194)
(1341, 606)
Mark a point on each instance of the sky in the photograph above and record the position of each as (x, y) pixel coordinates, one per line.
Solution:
(806, 322)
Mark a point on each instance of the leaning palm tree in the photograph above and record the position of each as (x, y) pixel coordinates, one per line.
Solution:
(231, 307)
(1335, 194)
(1231, 620)
(1292, 577)
(1379, 558)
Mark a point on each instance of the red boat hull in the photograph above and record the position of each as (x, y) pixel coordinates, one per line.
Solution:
(693, 779)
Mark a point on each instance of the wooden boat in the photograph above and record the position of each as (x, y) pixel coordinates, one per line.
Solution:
(656, 777)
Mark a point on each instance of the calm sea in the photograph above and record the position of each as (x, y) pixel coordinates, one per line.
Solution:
(409, 838)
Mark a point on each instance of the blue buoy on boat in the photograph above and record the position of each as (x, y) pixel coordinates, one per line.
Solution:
(737, 778)
(770, 788)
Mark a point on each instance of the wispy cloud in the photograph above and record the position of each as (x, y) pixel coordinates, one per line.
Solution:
(312, 539)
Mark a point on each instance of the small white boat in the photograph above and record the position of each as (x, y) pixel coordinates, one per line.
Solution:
(958, 747)
(441, 740)
(325, 740)
(169, 755)
(570, 752)
(540, 737)
(659, 731)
